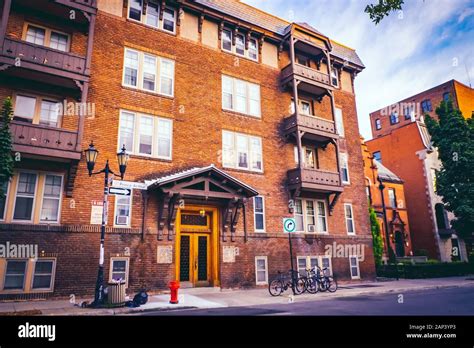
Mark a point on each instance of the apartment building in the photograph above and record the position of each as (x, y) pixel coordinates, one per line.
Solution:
(402, 143)
(386, 194)
(233, 120)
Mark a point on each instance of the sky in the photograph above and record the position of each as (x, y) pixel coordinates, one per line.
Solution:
(427, 43)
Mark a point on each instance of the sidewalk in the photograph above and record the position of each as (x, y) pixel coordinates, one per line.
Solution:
(216, 298)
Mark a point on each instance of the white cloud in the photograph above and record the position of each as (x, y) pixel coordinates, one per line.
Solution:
(398, 53)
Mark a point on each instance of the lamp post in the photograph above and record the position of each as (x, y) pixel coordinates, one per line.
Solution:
(91, 158)
(390, 252)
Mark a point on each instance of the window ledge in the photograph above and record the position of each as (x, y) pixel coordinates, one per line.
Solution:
(142, 157)
(156, 94)
(152, 27)
(236, 113)
(243, 171)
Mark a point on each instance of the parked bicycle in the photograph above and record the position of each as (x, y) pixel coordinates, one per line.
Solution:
(285, 281)
(319, 280)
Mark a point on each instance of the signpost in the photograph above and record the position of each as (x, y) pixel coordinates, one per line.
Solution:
(120, 191)
(289, 226)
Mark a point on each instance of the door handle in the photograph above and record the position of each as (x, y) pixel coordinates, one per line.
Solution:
(195, 265)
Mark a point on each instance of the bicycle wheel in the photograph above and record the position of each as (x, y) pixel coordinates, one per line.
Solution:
(332, 284)
(275, 288)
(312, 285)
(300, 286)
(323, 284)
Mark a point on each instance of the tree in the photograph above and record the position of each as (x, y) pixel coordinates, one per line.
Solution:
(377, 241)
(383, 9)
(453, 136)
(6, 159)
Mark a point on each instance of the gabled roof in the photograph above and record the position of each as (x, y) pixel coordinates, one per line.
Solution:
(167, 179)
(272, 23)
(386, 174)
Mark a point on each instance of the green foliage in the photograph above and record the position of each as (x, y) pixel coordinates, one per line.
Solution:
(383, 9)
(377, 240)
(425, 270)
(453, 136)
(6, 159)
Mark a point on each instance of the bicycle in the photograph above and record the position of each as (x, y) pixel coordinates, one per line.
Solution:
(319, 281)
(284, 281)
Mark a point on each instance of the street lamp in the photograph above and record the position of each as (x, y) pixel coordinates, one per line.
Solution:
(91, 157)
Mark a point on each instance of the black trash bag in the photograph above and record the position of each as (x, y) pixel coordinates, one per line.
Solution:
(140, 298)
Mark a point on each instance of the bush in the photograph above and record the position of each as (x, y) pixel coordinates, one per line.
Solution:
(426, 270)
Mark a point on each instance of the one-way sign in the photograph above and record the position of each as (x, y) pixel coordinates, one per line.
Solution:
(120, 191)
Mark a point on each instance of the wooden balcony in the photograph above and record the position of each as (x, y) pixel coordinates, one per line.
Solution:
(311, 80)
(43, 59)
(33, 139)
(82, 5)
(314, 180)
(315, 128)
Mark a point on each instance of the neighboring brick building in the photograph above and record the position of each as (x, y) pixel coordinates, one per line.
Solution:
(392, 209)
(405, 147)
(200, 92)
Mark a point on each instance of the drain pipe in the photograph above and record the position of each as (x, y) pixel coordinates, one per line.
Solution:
(245, 222)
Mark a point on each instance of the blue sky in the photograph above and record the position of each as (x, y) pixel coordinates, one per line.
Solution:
(428, 43)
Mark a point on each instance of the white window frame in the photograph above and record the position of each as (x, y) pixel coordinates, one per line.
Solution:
(351, 218)
(233, 47)
(130, 205)
(265, 258)
(392, 190)
(158, 73)
(127, 268)
(319, 262)
(261, 213)
(23, 288)
(334, 75)
(7, 192)
(47, 36)
(60, 199)
(53, 275)
(316, 216)
(338, 115)
(35, 195)
(344, 157)
(156, 135)
(250, 152)
(378, 124)
(358, 267)
(143, 18)
(234, 81)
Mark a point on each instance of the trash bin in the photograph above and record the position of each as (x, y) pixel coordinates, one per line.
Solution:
(116, 293)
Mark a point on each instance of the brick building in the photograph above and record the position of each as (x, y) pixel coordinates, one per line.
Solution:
(402, 143)
(202, 94)
(386, 194)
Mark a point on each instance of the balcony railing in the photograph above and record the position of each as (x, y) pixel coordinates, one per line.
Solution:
(44, 58)
(315, 179)
(306, 73)
(311, 124)
(79, 4)
(43, 140)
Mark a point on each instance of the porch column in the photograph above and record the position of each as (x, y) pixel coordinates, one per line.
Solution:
(3, 27)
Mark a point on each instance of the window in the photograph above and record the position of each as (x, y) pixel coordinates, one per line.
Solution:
(426, 105)
(305, 107)
(302, 60)
(310, 216)
(152, 16)
(309, 262)
(349, 218)
(25, 196)
(339, 122)
(261, 270)
(242, 47)
(335, 77)
(446, 96)
(36, 110)
(240, 96)
(378, 124)
(51, 198)
(15, 275)
(409, 112)
(377, 156)
(43, 275)
(145, 135)
(344, 168)
(310, 157)
(142, 69)
(259, 213)
(354, 267)
(240, 44)
(442, 220)
(394, 119)
(3, 200)
(253, 49)
(242, 151)
(46, 37)
(119, 269)
(227, 40)
(122, 210)
(392, 201)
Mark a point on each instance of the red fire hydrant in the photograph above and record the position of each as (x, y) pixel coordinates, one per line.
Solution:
(174, 286)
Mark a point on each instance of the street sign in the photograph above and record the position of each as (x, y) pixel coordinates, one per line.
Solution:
(97, 208)
(289, 225)
(120, 191)
(130, 185)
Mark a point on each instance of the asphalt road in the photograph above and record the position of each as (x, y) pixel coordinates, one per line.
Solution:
(450, 301)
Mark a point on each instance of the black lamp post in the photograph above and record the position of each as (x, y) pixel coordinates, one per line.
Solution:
(91, 157)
